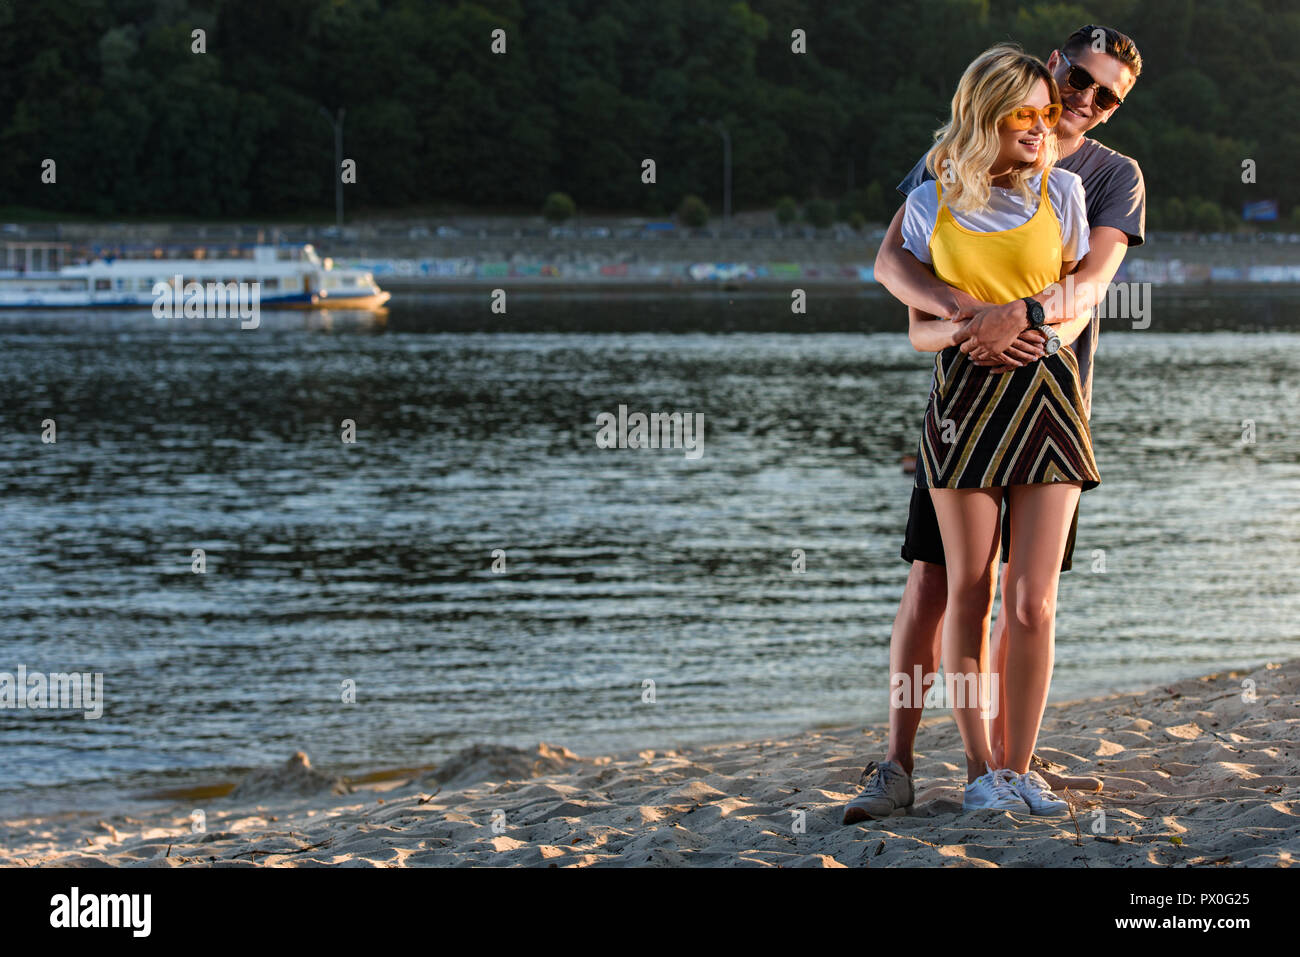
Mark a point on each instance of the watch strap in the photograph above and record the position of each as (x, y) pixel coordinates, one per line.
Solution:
(1034, 311)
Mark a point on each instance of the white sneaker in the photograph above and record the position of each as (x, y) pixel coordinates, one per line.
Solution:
(994, 789)
(1034, 791)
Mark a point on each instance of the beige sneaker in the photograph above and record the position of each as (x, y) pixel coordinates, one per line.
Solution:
(888, 788)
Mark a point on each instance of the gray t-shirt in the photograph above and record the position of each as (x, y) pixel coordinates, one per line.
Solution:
(1115, 195)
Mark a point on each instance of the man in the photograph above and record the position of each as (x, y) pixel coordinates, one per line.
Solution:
(1095, 68)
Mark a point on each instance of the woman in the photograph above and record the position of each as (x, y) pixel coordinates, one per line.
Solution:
(1002, 224)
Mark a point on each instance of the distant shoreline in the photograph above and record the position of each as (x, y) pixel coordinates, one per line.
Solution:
(400, 287)
(450, 254)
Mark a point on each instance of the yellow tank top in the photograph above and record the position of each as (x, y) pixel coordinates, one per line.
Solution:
(1002, 266)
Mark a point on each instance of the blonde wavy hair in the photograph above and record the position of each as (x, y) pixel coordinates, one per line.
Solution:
(998, 81)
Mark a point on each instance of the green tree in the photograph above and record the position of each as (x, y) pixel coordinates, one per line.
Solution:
(867, 202)
(693, 212)
(1174, 214)
(820, 213)
(139, 124)
(558, 207)
(1207, 216)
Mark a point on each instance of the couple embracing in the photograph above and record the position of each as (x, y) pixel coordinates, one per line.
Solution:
(1012, 199)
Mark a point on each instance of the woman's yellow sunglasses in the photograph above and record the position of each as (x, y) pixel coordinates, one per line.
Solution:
(1025, 116)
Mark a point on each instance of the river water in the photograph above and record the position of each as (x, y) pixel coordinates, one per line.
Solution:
(370, 565)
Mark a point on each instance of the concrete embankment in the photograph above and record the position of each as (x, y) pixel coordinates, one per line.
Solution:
(473, 253)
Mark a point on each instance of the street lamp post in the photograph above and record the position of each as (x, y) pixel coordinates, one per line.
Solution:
(721, 130)
(338, 164)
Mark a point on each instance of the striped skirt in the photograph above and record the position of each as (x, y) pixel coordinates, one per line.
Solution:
(984, 429)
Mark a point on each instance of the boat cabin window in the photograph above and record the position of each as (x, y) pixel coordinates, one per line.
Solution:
(101, 284)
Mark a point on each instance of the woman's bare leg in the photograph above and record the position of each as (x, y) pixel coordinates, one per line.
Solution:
(998, 666)
(968, 522)
(1040, 524)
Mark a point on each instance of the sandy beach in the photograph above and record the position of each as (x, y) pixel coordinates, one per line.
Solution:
(1202, 772)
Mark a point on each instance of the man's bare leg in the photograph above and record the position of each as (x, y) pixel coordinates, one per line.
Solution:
(913, 645)
(915, 641)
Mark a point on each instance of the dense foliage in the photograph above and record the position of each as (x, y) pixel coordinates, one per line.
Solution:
(139, 124)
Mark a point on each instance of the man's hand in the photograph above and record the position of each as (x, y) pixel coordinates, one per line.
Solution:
(1026, 348)
(995, 328)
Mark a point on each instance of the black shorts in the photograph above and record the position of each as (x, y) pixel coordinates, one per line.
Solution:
(922, 541)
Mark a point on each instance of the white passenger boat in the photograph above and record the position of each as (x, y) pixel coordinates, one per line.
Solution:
(288, 276)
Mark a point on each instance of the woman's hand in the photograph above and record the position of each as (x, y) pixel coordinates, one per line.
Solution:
(930, 334)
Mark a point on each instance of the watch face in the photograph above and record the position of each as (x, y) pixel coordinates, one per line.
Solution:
(1052, 345)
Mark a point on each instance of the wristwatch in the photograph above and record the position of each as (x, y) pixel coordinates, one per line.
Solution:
(1053, 340)
(1036, 316)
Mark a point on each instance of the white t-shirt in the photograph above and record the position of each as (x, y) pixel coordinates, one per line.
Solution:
(1005, 210)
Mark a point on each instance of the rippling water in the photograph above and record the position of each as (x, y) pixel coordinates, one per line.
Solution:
(372, 562)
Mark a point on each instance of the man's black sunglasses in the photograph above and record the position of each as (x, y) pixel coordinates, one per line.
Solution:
(1080, 79)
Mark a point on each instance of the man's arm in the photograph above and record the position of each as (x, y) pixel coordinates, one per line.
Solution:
(1062, 302)
(927, 297)
(1067, 330)
(1107, 248)
(911, 283)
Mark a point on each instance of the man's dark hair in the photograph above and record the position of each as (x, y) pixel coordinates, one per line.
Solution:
(1118, 45)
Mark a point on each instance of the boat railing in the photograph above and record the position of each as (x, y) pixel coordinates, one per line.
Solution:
(50, 257)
